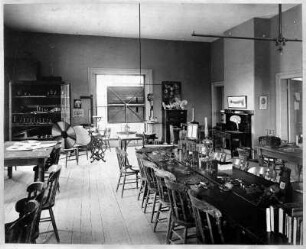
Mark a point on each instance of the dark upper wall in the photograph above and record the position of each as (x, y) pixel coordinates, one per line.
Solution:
(217, 61)
(70, 56)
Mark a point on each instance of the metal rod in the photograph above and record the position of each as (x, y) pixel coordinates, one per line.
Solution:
(139, 40)
(242, 37)
(235, 37)
(279, 20)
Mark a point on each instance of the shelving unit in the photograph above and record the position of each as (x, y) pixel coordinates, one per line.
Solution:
(34, 106)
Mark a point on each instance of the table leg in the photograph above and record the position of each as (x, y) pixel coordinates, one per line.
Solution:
(41, 169)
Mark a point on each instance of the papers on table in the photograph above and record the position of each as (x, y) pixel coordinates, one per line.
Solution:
(30, 145)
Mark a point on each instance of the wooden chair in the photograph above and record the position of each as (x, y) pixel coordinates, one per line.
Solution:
(125, 170)
(149, 168)
(208, 220)
(36, 192)
(181, 216)
(106, 137)
(143, 179)
(22, 230)
(49, 201)
(163, 202)
(52, 160)
(82, 139)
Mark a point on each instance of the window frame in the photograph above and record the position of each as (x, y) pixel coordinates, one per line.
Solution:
(148, 83)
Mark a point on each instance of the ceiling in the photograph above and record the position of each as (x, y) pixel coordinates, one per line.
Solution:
(167, 21)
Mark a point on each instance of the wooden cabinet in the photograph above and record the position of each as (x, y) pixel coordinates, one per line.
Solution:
(34, 106)
(175, 118)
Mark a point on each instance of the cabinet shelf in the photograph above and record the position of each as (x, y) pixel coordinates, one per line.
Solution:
(34, 107)
(30, 124)
(36, 113)
(37, 96)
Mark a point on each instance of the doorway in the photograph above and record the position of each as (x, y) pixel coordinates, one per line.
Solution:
(217, 97)
(289, 123)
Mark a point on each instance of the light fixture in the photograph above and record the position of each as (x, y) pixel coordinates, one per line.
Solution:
(280, 40)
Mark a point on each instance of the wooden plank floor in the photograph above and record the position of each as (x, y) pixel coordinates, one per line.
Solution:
(88, 209)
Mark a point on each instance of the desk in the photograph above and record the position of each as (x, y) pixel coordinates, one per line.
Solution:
(243, 212)
(27, 157)
(126, 137)
(287, 154)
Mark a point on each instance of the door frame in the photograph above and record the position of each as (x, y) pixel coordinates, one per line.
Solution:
(279, 77)
(214, 85)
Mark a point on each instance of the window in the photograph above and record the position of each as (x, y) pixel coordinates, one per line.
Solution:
(116, 82)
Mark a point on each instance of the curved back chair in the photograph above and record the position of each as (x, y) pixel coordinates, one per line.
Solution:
(204, 214)
(164, 202)
(125, 170)
(148, 168)
(143, 184)
(49, 201)
(106, 137)
(181, 211)
(22, 230)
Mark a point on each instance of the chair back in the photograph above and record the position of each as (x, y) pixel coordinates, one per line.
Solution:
(202, 212)
(160, 176)
(122, 157)
(23, 229)
(179, 203)
(148, 169)
(107, 132)
(52, 188)
(82, 135)
(35, 191)
(140, 157)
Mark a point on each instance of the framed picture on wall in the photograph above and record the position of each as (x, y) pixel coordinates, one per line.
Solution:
(237, 102)
(263, 102)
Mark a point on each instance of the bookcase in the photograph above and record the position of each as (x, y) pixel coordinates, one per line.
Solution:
(35, 105)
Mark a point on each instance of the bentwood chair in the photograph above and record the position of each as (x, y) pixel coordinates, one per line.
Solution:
(22, 230)
(181, 215)
(125, 171)
(149, 168)
(49, 199)
(208, 220)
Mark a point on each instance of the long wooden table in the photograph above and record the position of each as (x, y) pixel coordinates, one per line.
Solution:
(235, 204)
(27, 157)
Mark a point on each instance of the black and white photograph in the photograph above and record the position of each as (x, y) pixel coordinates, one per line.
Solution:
(152, 123)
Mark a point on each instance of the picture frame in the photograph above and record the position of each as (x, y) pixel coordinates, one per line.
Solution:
(238, 102)
(263, 102)
(77, 103)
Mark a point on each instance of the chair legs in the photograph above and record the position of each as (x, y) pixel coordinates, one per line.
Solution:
(68, 154)
(52, 219)
(153, 207)
(125, 181)
(54, 224)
